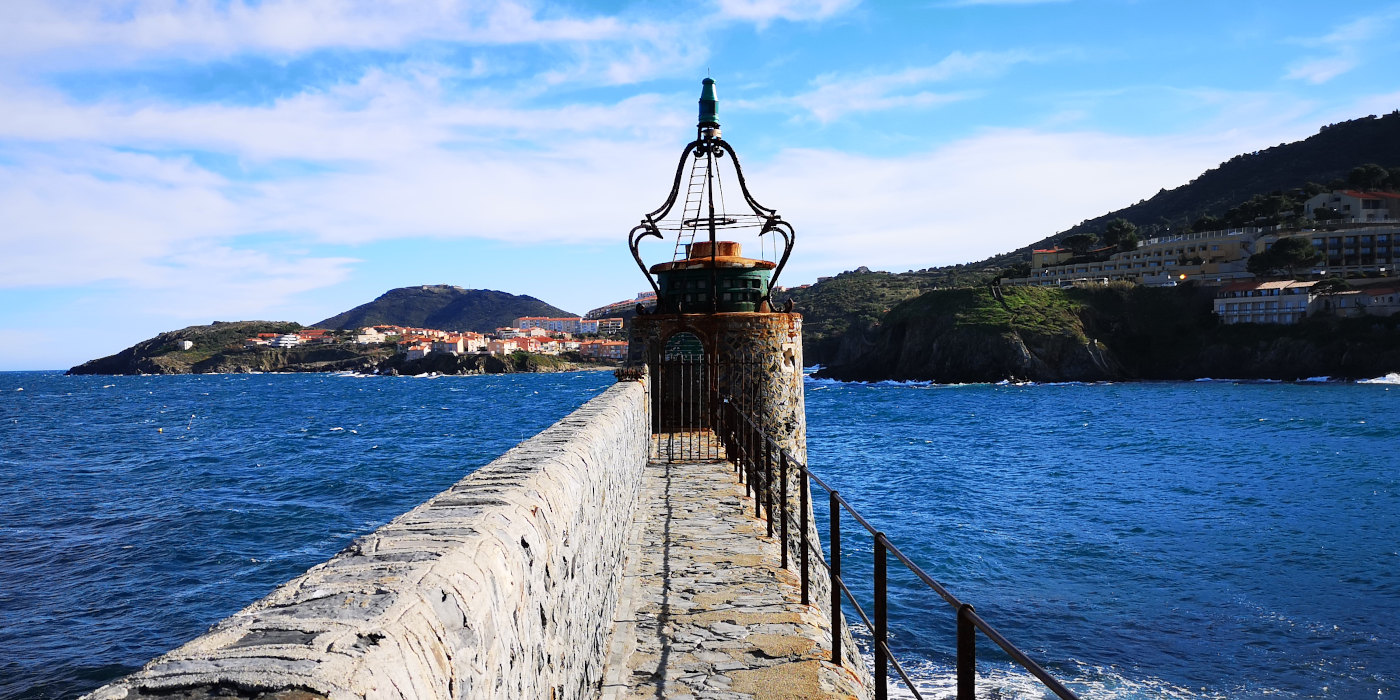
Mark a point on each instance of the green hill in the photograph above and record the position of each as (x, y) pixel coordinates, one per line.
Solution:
(1323, 160)
(841, 313)
(1112, 332)
(443, 307)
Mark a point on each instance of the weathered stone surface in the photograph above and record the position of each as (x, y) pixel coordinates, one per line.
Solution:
(502, 586)
(706, 611)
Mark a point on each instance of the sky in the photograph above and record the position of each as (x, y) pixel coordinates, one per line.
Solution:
(165, 163)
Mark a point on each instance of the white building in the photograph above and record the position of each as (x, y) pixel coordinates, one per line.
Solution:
(370, 334)
(288, 340)
(1355, 206)
(1264, 302)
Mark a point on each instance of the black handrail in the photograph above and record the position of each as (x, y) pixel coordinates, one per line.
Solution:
(753, 450)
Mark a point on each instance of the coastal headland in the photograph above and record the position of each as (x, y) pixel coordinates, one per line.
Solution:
(222, 348)
(1111, 332)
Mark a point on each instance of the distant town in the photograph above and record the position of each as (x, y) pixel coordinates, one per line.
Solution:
(1351, 234)
(591, 338)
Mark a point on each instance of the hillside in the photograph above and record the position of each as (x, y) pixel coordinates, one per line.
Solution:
(1113, 332)
(852, 302)
(841, 313)
(1325, 159)
(218, 347)
(443, 307)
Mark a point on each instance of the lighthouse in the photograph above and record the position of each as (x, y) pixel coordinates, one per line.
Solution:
(716, 336)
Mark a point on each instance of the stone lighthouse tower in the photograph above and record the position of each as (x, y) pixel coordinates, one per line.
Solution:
(714, 334)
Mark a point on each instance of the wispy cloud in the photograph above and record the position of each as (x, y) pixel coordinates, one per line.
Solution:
(1341, 50)
(835, 96)
(208, 28)
(763, 12)
(974, 3)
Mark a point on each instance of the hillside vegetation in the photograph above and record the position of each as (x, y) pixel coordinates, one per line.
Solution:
(842, 313)
(443, 307)
(218, 349)
(1111, 332)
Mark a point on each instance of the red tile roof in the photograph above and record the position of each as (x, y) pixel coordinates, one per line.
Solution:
(1359, 194)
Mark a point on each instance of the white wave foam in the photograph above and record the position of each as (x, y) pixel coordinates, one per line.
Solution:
(997, 681)
(1392, 378)
(1323, 378)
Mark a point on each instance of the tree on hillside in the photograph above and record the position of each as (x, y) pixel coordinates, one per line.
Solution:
(1206, 223)
(1327, 214)
(1020, 269)
(1288, 254)
(1117, 230)
(1332, 285)
(1368, 177)
(1080, 243)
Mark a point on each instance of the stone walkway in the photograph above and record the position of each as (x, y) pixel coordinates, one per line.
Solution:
(705, 612)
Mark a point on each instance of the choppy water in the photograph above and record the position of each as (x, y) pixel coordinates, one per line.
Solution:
(137, 511)
(1142, 540)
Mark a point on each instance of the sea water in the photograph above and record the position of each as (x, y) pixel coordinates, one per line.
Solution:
(1186, 540)
(1194, 540)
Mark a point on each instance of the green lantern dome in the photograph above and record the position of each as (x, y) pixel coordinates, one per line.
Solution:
(709, 105)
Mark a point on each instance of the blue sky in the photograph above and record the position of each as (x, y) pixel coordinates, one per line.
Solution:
(168, 163)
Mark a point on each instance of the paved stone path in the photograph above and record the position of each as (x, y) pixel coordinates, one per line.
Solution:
(706, 613)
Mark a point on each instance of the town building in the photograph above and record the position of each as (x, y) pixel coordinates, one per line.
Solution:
(568, 324)
(1355, 249)
(370, 335)
(646, 299)
(1165, 260)
(1353, 206)
(603, 349)
(1285, 301)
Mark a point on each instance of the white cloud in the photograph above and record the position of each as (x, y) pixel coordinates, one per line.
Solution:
(976, 3)
(763, 12)
(202, 28)
(1342, 47)
(974, 198)
(1320, 70)
(835, 96)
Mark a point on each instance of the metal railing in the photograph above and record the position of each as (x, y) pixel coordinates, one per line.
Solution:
(754, 453)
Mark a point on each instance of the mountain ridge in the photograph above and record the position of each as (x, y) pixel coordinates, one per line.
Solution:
(842, 313)
(443, 307)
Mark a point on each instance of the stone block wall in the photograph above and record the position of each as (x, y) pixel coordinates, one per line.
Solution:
(503, 586)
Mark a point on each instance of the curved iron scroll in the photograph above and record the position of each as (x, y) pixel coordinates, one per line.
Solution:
(772, 222)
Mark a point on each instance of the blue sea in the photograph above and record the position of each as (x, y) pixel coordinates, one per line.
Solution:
(1188, 540)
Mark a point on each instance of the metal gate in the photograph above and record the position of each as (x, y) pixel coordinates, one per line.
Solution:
(688, 387)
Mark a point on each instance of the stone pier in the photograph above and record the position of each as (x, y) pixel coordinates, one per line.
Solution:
(706, 612)
(571, 567)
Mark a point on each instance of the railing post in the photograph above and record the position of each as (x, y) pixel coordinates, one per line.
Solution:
(882, 679)
(767, 477)
(835, 579)
(967, 655)
(783, 506)
(754, 474)
(803, 489)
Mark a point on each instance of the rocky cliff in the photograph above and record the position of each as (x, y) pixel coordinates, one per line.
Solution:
(1104, 333)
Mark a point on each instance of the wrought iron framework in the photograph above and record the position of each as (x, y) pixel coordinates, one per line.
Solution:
(765, 219)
